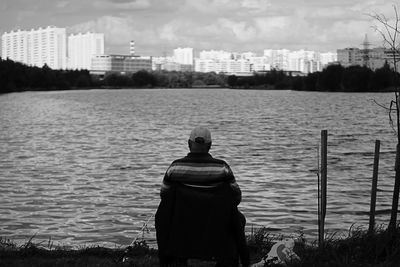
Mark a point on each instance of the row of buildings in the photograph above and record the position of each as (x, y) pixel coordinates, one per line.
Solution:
(53, 47)
(227, 62)
(373, 58)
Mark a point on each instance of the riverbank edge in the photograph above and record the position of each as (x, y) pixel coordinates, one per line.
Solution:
(255, 88)
(357, 248)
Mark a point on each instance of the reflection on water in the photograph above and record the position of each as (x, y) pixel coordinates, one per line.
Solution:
(84, 167)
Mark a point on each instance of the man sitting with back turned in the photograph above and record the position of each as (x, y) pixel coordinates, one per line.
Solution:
(198, 215)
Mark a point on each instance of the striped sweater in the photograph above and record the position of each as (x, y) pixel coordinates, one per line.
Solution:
(200, 170)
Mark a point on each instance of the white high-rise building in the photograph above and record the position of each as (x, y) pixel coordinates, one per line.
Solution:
(303, 61)
(215, 55)
(82, 47)
(36, 47)
(328, 57)
(229, 66)
(300, 60)
(259, 64)
(248, 55)
(15, 46)
(235, 66)
(183, 56)
(205, 65)
(163, 63)
(220, 61)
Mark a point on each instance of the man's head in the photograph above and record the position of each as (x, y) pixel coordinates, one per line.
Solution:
(200, 140)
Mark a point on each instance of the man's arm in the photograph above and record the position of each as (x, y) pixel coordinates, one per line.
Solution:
(234, 185)
(163, 218)
(166, 184)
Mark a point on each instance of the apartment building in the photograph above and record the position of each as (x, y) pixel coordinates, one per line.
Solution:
(373, 58)
(36, 47)
(183, 56)
(215, 55)
(101, 64)
(82, 47)
(349, 56)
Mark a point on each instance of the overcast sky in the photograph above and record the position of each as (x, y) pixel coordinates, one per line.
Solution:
(158, 26)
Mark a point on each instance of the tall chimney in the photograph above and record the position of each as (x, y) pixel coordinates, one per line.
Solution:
(132, 48)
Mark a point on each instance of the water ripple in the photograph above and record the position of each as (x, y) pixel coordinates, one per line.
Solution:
(85, 167)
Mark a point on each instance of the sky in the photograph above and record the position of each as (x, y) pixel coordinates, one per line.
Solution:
(159, 26)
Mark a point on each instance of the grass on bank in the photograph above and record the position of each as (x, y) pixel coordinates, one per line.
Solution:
(357, 248)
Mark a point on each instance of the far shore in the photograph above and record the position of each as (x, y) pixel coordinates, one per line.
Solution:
(331, 79)
(216, 87)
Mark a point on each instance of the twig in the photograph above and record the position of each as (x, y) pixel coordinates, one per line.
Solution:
(380, 105)
(144, 227)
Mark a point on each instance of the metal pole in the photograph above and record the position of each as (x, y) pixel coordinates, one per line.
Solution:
(395, 202)
(374, 187)
(324, 172)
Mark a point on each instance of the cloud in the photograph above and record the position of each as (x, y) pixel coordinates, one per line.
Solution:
(345, 31)
(168, 31)
(226, 7)
(61, 4)
(118, 31)
(257, 5)
(324, 13)
(121, 4)
(121, 1)
(185, 32)
(206, 24)
(240, 30)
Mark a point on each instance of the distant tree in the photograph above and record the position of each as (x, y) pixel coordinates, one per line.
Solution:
(284, 82)
(161, 78)
(298, 83)
(83, 81)
(143, 78)
(330, 79)
(383, 77)
(188, 78)
(118, 80)
(232, 80)
(356, 78)
(48, 75)
(198, 83)
(61, 81)
(211, 78)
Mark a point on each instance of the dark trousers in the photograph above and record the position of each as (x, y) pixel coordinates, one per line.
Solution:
(238, 226)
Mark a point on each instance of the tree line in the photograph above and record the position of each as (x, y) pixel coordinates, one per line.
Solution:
(15, 77)
(334, 78)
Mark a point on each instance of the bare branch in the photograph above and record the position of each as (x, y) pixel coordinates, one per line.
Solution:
(387, 27)
(390, 116)
(381, 105)
(383, 20)
(390, 32)
(396, 30)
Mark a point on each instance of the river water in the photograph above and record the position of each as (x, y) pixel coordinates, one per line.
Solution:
(85, 167)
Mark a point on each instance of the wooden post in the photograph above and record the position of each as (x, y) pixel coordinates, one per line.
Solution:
(395, 202)
(374, 187)
(324, 169)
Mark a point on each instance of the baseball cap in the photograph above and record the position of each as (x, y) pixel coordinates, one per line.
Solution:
(200, 135)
